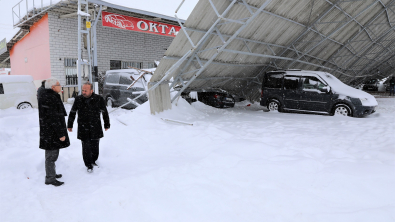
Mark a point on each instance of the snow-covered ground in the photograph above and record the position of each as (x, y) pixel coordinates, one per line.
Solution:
(239, 164)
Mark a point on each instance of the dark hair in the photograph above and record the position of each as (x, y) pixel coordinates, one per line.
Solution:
(88, 83)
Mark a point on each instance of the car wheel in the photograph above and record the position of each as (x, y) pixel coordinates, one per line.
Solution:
(24, 105)
(274, 105)
(342, 110)
(109, 102)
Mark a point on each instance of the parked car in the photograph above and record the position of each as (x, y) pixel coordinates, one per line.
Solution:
(218, 99)
(375, 84)
(18, 91)
(115, 87)
(314, 92)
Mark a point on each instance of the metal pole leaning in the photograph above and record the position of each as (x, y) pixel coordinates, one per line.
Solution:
(223, 46)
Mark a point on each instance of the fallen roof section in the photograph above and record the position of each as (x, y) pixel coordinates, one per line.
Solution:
(229, 44)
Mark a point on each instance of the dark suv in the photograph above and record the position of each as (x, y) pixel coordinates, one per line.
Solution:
(313, 92)
(115, 88)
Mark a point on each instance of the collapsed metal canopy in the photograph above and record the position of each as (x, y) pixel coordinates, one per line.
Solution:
(229, 44)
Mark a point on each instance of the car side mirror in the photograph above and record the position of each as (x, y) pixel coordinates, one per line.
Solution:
(326, 89)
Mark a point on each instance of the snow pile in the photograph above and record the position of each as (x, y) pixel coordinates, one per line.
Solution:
(239, 164)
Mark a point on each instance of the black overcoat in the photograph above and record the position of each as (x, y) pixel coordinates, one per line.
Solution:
(52, 121)
(89, 123)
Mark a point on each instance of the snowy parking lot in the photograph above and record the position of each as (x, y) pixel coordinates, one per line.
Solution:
(239, 164)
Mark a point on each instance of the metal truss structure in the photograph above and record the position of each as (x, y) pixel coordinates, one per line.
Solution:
(229, 44)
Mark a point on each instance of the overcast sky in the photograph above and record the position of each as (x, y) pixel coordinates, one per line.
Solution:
(165, 7)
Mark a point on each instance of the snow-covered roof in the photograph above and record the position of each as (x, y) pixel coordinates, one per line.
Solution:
(15, 78)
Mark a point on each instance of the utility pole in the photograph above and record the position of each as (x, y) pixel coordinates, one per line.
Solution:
(81, 32)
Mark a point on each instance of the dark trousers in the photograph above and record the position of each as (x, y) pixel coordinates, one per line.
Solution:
(50, 168)
(392, 89)
(90, 151)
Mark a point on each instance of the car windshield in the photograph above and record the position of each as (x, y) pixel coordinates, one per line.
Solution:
(371, 81)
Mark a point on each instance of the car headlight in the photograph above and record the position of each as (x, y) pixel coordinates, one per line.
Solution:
(364, 101)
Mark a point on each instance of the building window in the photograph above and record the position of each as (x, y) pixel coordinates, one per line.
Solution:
(151, 65)
(138, 65)
(70, 67)
(115, 64)
(126, 65)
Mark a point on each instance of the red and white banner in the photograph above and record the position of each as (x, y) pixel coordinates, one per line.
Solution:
(138, 25)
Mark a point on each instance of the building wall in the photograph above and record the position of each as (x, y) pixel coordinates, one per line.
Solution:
(63, 41)
(124, 45)
(31, 55)
(113, 44)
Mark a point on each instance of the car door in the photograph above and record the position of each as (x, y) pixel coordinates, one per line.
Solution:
(314, 96)
(291, 92)
(112, 87)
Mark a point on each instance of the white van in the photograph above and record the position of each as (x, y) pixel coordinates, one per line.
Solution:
(18, 91)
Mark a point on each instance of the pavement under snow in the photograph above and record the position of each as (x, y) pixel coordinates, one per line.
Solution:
(240, 164)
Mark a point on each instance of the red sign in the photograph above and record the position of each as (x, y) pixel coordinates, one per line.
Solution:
(138, 25)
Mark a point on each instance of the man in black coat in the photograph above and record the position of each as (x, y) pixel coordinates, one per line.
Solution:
(40, 89)
(53, 132)
(89, 106)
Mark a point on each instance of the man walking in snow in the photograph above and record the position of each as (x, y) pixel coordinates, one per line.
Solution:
(89, 106)
(53, 132)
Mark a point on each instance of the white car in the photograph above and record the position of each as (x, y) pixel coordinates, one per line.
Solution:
(17, 91)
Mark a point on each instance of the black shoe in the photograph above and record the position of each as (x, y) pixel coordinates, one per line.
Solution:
(56, 183)
(95, 164)
(58, 176)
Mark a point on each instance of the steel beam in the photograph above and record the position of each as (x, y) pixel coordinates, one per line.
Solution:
(333, 32)
(224, 46)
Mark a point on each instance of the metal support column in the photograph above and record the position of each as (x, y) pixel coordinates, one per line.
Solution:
(94, 47)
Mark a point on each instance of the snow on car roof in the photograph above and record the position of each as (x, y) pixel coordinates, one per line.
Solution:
(134, 72)
(15, 78)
